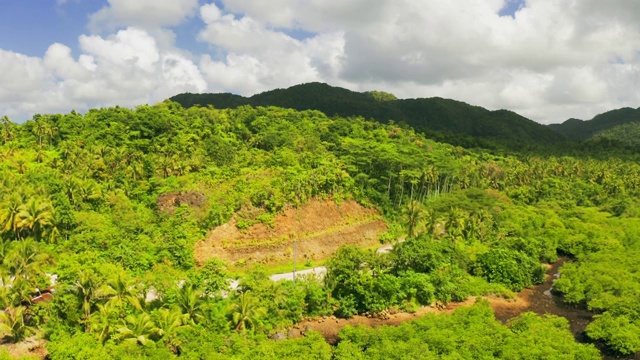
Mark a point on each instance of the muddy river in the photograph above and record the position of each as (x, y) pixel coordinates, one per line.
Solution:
(542, 299)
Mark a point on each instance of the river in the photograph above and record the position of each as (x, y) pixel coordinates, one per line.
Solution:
(542, 299)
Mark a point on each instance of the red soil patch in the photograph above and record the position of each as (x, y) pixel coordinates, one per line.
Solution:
(319, 227)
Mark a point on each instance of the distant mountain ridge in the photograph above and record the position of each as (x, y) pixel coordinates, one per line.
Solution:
(425, 114)
(583, 130)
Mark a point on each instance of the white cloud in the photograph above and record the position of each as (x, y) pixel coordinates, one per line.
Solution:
(131, 47)
(257, 57)
(125, 69)
(552, 60)
(19, 74)
(149, 14)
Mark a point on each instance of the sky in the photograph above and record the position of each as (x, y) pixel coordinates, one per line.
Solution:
(548, 60)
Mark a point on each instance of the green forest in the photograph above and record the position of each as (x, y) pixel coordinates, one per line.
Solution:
(79, 203)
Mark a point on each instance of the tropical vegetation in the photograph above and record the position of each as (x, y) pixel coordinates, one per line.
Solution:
(79, 197)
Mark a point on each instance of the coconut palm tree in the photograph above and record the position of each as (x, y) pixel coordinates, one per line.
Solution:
(121, 289)
(7, 129)
(25, 260)
(413, 216)
(138, 329)
(191, 302)
(102, 321)
(12, 323)
(9, 214)
(35, 217)
(20, 292)
(5, 250)
(40, 129)
(456, 223)
(245, 313)
(168, 321)
(85, 289)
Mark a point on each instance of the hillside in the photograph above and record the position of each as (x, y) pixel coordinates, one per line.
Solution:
(627, 134)
(319, 227)
(445, 116)
(581, 129)
(171, 202)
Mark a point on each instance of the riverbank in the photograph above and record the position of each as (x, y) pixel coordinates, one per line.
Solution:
(540, 299)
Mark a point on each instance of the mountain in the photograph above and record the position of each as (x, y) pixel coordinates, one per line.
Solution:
(580, 129)
(626, 134)
(446, 118)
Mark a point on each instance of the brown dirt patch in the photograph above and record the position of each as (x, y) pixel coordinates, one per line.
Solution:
(169, 201)
(33, 347)
(320, 227)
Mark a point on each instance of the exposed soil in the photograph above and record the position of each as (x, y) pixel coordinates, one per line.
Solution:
(319, 228)
(30, 347)
(169, 201)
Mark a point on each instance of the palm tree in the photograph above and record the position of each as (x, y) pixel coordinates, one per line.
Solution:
(85, 289)
(12, 322)
(121, 290)
(36, 216)
(7, 130)
(21, 164)
(245, 313)
(40, 129)
(138, 329)
(102, 320)
(413, 216)
(168, 321)
(9, 214)
(40, 152)
(89, 190)
(20, 293)
(191, 302)
(52, 133)
(25, 260)
(5, 250)
(456, 223)
(5, 296)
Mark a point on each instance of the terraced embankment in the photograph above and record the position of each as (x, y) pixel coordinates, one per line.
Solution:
(319, 229)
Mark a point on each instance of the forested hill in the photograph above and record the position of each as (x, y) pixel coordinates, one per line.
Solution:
(113, 202)
(453, 119)
(581, 129)
(626, 134)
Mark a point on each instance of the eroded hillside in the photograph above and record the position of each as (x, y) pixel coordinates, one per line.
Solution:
(319, 227)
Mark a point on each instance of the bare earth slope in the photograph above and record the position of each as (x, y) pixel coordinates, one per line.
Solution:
(320, 227)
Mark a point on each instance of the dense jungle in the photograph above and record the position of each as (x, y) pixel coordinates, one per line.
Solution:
(95, 265)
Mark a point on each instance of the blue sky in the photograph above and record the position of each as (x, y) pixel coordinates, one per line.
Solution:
(549, 60)
(30, 26)
(511, 7)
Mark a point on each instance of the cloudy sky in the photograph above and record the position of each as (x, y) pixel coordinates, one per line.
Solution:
(548, 60)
